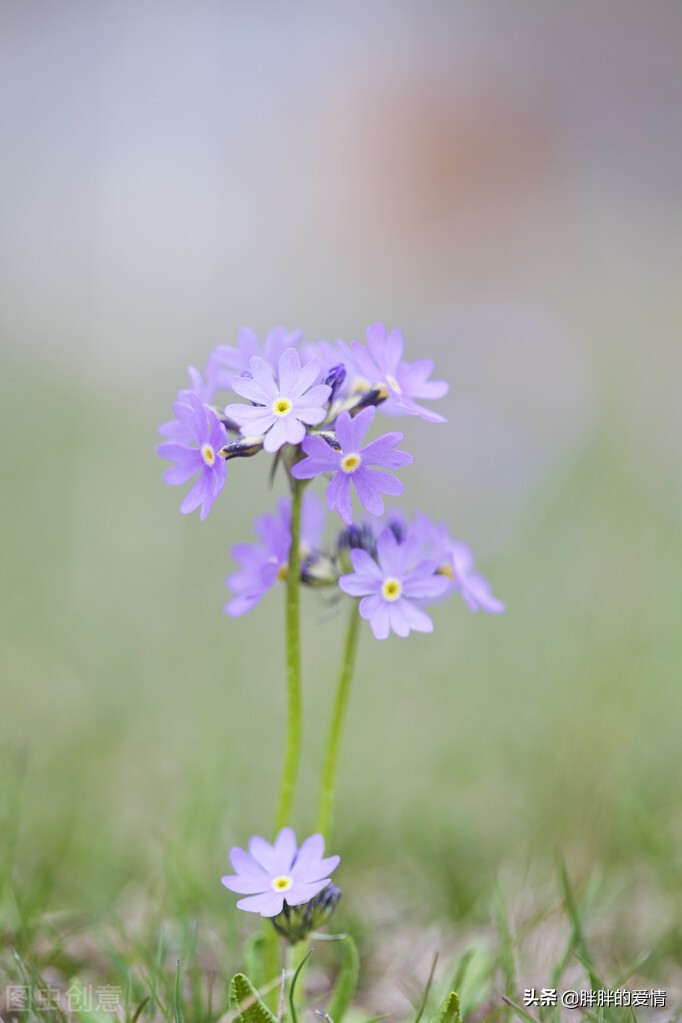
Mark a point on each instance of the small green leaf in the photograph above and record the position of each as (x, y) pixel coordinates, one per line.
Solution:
(449, 1010)
(292, 989)
(347, 981)
(244, 999)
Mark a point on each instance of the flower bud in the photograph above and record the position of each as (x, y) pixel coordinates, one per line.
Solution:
(296, 922)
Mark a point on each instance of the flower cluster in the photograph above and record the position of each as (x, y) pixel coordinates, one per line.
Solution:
(312, 406)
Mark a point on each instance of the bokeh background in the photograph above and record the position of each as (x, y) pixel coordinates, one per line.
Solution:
(502, 181)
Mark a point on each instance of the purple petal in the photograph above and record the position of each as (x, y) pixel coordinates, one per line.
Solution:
(304, 386)
(367, 492)
(202, 489)
(178, 474)
(313, 521)
(339, 497)
(263, 375)
(252, 419)
(263, 853)
(249, 388)
(358, 585)
(364, 564)
(425, 587)
(311, 852)
(285, 850)
(247, 884)
(301, 893)
(405, 615)
(365, 363)
(316, 870)
(267, 904)
(289, 372)
(276, 437)
(376, 343)
(244, 863)
(382, 482)
(294, 430)
(388, 553)
(309, 468)
(393, 350)
(375, 609)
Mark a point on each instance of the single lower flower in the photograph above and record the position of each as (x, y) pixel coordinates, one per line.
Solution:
(382, 362)
(393, 586)
(282, 409)
(272, 875)
(354, 464)
(204, 436)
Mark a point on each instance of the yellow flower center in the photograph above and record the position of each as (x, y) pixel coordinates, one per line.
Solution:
(208, 454)
(282, 883)
(392, 383)
(282, 407)
(360, 385)
(349, 463)
(283, 572)
(392, 589)
(446, 569)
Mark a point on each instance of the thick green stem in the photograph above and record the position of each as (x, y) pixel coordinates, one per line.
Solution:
(293, 653)
(326, 811)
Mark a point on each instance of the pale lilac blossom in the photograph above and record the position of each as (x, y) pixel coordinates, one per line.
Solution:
(282, 409)
(264, 563)
(393, 586)
(198, 440)
(274, 874)
(382, 363)
(354, 464)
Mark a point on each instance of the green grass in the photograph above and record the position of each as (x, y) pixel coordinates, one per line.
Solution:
(141, 736)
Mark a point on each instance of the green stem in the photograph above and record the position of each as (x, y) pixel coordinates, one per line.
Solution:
(326, 811)
(292, 753)
(293, 653)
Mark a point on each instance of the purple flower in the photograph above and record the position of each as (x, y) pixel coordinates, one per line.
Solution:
(455, 562)
(475, 588)
(205, 435)
(404, 381)
(281, 411)
(274, 874)
(205, 391)
(392, 585)
(352, 465)
(264, 563)
(227, 361)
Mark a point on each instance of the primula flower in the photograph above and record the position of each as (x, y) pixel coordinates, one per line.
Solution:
(227, 361)
(204, 389)
(455, 562)
(351, 464)
(274, 874)
(382, 363)
(265, 563)
(281, 411)
(392, 585)
(205, 436)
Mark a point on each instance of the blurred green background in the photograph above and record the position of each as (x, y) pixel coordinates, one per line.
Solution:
(503, 183)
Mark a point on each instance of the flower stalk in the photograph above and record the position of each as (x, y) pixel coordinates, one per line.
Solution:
(325, 817)
(293, 661)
